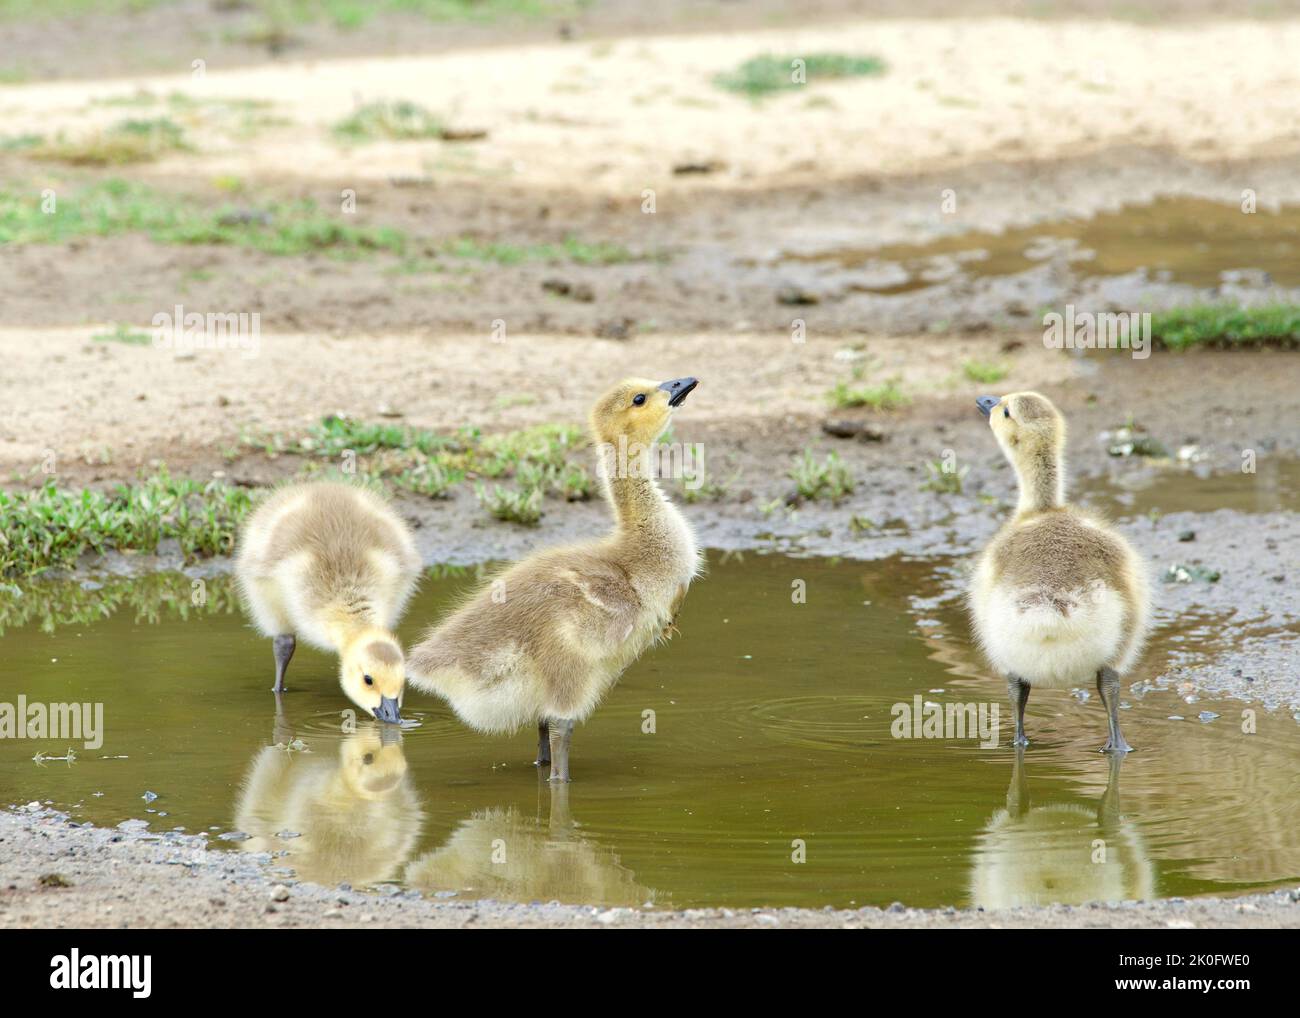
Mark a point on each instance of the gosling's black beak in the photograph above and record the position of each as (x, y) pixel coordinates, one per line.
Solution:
(388, 710)
(678, 389)
(987, 403)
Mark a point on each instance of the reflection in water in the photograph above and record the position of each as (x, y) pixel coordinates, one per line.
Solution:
(151, 598)
(499, 853)
(1060, 852)
(352, 818)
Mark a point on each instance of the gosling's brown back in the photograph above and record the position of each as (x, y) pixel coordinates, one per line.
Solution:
(336, 527)
(1056, 548)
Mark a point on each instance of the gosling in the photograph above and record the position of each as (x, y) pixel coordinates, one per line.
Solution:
(545, 640)
(332, 563)
(1057, 597)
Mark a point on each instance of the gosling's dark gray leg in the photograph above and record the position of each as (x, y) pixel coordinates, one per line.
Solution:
(284, 648)
(543, 746)
(1108, 690)
(560, 733)
(1019, 692)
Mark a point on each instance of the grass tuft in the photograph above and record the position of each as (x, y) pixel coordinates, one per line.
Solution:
(943, 480)
(889, 395)
(124, 334)
(762, 75)
(1227, 325)
(828, 478)
(398, 120)
(130, 141)
(512, 505)
(984, 372)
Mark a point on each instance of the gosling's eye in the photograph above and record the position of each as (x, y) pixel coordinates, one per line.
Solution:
(1006, 411)
(369, 680)
(368, 759)
(638, 399)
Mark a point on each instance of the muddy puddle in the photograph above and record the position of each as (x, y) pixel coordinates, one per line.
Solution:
(1273, 485)
(1191, 241)
(749, 762)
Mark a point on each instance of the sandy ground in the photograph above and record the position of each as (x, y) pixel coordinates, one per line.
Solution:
(619, 116)
(124, 878)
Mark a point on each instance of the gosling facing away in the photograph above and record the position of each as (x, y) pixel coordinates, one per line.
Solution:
(1057, 597)
(332, 563)
(545, 640)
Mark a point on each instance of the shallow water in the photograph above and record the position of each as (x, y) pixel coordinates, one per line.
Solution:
(1181, 240)
(1273, 486)
(772, 730)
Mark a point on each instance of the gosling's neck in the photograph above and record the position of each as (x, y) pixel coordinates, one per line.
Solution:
(349, 622)
(1041, 473)
(633, 493)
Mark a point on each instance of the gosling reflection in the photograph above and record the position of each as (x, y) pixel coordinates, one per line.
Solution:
(502, 854)
(1060, 853)
(356, 815)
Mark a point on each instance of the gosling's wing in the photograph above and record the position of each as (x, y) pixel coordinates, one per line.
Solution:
(585, 605)
(600, 606)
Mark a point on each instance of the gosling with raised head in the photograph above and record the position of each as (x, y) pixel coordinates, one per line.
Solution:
(546, 639)
(1058, 597)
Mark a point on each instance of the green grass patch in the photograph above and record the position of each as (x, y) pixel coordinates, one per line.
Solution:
(115, 207)
(135, 140)
(541, 459)
(1227, 325)
(51, 528)
(123, 334)
(398, 120)
(570, 249)
(888, 395)
(767, 73)
(21, 142)
(984, 372)
(943, 478)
